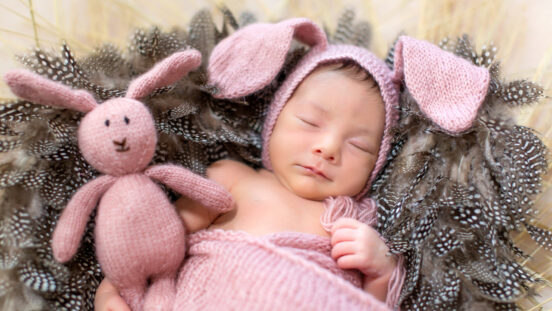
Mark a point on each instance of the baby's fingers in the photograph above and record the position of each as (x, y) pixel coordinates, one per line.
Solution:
(108, 298)
(343, 235)
(350, 262)
(345, 223)
(343, 248)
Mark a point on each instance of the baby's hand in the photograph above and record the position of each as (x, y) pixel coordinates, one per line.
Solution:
(108, 298)
(356, 245)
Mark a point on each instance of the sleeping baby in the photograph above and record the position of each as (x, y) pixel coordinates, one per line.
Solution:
(325, 138)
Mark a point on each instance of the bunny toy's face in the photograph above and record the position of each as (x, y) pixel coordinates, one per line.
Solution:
(118, 137)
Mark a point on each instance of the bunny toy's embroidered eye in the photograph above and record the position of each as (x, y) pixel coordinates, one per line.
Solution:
(127, 121)
(107, 122)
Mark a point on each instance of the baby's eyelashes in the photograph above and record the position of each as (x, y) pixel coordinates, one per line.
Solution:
(307, 121)
(361, 145)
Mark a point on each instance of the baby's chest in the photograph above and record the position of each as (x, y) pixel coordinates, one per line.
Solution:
(263, 206)
(256, 192)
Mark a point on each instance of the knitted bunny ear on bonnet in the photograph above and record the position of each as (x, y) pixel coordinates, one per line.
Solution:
(448, 89)
(250, 59)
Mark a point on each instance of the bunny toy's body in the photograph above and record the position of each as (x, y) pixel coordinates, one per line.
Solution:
(149, 218)
(140, 239)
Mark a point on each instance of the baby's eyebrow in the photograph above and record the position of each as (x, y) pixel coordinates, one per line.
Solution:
(364, 131)
(318, 107)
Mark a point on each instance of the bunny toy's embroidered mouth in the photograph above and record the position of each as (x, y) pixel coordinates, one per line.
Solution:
(121, 145)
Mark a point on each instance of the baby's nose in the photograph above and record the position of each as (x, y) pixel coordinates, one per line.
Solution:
(325, 154)
(328, 149)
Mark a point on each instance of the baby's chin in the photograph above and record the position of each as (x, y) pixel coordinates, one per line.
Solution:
(307, 191)
(307, 187)
(316, 194)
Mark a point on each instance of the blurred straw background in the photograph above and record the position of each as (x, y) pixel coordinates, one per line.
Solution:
(520, 29)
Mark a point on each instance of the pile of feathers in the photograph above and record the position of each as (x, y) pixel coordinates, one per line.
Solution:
(449, 204)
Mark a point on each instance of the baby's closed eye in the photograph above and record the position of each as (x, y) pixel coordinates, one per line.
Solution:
(361, 145)
(309, 121)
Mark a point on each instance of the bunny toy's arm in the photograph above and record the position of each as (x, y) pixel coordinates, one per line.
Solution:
(207, 192)
(71, 224)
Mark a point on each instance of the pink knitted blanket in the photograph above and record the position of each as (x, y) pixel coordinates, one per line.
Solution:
(232, 270)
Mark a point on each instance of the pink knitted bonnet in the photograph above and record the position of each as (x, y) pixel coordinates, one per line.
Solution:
(335, 53)
(250, 59)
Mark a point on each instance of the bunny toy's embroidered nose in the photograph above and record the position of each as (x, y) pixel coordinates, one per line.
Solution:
(121, 145)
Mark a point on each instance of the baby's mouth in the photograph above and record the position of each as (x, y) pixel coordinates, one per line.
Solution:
(121, 146)
(316, 171)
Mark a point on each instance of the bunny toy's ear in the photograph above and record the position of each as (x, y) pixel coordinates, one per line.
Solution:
(448, 89)
(164, 73)
(250, 58)
(39, 90)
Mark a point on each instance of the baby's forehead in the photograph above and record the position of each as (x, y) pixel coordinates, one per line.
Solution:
(347, 68)
(334, 77)
(333, 93)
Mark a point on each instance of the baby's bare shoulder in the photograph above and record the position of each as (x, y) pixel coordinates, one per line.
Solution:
(229, 172)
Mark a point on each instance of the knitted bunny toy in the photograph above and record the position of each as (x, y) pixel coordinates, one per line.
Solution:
(140, 238)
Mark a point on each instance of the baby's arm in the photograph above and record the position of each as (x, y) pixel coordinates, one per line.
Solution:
(194, 215)
(225, 172)
(356, 245)
(108, 298)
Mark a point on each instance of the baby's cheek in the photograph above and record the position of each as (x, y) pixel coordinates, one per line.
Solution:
(353, 183)
(359, 170)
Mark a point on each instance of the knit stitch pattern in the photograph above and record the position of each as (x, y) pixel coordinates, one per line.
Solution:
(164, 73)
(33, 87)
(113, 127)
(149, 242)
(447, 88)
(139, 236)
(315, 58)
(83, 203)
(249, 59)
(191, 185)
(233, 270)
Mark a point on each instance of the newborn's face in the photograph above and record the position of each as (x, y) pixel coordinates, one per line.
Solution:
(326, 139)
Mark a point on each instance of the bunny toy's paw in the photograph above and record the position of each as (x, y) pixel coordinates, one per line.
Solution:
(62, 247)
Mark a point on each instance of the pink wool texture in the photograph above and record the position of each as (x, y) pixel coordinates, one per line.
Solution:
(316, 57)
(447, 88)
(249, 59)
(233, 270)
(139, 235)
(246, 62)
(49, 93)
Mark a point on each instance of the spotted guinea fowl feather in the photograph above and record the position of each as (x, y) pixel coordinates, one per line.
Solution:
(460, 256)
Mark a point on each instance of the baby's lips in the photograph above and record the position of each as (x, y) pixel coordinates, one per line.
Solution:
(317, 171)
